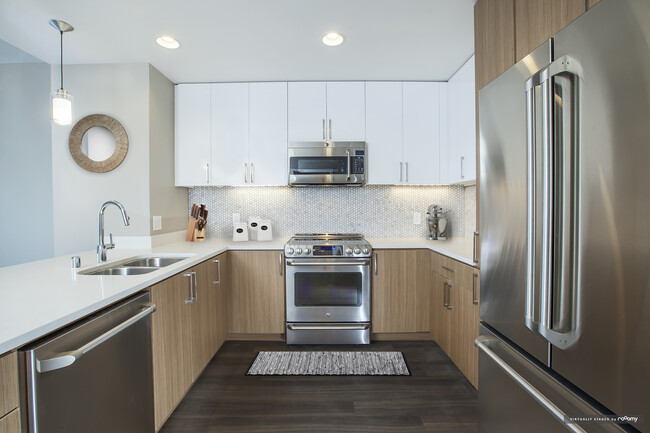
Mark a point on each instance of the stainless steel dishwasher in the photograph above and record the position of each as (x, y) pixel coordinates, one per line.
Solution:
(94, 376)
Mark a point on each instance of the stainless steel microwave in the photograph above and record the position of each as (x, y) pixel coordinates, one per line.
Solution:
(327, 163)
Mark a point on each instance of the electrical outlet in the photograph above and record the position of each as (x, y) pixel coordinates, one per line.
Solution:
(157, 222)
(417, 218)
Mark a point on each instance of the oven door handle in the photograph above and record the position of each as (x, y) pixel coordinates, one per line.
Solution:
(361, 327)
(359, 263)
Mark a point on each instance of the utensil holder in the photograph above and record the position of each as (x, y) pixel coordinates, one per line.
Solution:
(240, 232)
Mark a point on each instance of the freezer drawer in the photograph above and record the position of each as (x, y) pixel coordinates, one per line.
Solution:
(506, 406)
(95, 376)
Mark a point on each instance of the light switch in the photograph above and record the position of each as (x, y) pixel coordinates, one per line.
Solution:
(157, 222)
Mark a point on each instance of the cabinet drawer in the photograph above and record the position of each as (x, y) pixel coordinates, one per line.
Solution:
(443, 265)
(8, 383)
(11, 422)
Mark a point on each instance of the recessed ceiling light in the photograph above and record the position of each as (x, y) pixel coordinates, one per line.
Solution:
(332, 39)
(167, 42)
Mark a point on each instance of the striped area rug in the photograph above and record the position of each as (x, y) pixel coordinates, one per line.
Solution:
(304, 363)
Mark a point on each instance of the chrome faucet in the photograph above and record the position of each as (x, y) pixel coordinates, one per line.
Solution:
(102, 247)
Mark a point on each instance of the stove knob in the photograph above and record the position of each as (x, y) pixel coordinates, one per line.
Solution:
(307, 250)
(298, 250)
(357, 251)
(348, 251)
(365, 250)
(289, 250)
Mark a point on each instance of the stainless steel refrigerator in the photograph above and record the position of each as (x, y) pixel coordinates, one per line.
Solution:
(565, 231)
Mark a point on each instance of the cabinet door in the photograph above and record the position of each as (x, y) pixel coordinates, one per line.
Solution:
(394, 291)
(538, 20)
(421, 123)
(307, 111)
(423, 285)
(268, 133)
(230, 134)
(9, 391)
(222, 284)
(256, 292)
(494, 38)
(204, 316)
(192, 131)
(461, 160)
(384, 132)
(11, 422)
(346, 111)
(171, 344)
(440, 317)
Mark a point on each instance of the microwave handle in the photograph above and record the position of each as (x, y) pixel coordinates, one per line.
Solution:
(347, 152)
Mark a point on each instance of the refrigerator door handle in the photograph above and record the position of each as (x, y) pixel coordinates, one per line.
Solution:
(482, 343)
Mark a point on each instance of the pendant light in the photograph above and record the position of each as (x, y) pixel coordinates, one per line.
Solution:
(61, 99)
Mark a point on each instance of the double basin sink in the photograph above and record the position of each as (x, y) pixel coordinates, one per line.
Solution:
(135, 265)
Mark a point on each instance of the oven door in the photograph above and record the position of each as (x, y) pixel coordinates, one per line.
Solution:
(328, 290)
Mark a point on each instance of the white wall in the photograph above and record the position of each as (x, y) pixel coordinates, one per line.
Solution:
(26, 230)
(120, 91)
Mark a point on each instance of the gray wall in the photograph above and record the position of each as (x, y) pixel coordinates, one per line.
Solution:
(26, 229)
(120, 91)
(166, 200)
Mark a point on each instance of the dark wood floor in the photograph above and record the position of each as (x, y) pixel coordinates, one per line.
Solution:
(435, 398)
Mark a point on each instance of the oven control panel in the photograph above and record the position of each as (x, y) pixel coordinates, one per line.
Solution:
(328, 250)
(339, 250)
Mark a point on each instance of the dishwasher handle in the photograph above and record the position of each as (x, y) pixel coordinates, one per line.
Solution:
(66, 359)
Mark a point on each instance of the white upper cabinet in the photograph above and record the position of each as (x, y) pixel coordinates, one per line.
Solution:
(192, 134)
(421, 124)
(384, 132)
(268, 134)
(346, 111)
(321, 111)
(230, 134)
(461, 157)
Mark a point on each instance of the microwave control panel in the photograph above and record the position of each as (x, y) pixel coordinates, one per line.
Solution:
(356, 165)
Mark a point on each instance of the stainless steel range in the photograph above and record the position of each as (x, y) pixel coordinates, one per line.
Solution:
(328, 289)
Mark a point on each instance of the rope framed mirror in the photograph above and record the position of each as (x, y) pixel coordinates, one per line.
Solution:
(98, 143)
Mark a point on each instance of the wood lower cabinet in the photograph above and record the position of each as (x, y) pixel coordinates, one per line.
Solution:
(400, 294)
(591, 3)
(455, 312)
(187, 330)
(9, 394)
(256, 293)
(10, 423)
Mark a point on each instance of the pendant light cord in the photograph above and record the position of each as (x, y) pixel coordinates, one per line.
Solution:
(61, 59)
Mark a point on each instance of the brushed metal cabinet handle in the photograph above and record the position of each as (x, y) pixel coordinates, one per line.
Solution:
(449, 286)
(245, 172)
(375, 264)
(475, 248)
(207, 173)
(474, 300)
(407, 172)
(281, 264)
(218, 272)
(444, 295)
(400, 171)
(196, 291)
(324, 136)
(448, 269)
(252, 173)
(462, 159)
(330, 129)
(191, 298)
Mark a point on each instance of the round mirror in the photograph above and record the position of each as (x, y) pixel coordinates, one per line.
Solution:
(98, 143)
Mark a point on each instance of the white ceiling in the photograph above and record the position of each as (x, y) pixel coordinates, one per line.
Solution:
(253, 40)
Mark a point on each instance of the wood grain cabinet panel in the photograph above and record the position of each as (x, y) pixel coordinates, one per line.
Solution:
(204, 316)
(222, 284)
(400, 297)
(11, 422)
(591, 3)
(494, 39)
(538, 20)
(8, 383)
(256, 292)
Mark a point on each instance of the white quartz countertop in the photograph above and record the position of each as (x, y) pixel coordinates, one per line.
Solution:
(40, 297)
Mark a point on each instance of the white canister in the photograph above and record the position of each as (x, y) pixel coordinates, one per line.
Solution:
(264, 231)
(253, 224)
(240, 232)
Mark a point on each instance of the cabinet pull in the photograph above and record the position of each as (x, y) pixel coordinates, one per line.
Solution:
(252, 173)
(245, 172)
(449, 286)
(324, 137)
(448, 269)
(462, 176)
(218, 272)
(281, 264)
(196, 292)
(400, 171)
(444, 295)
(207, 173)
(330, 129)
(475, 248)
(474, 300)
(375, 264)
(191, 298)
(407, 172)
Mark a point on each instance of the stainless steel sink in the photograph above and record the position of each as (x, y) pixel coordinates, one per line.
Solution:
(122, 271)
(135, 265)
(156, 262)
